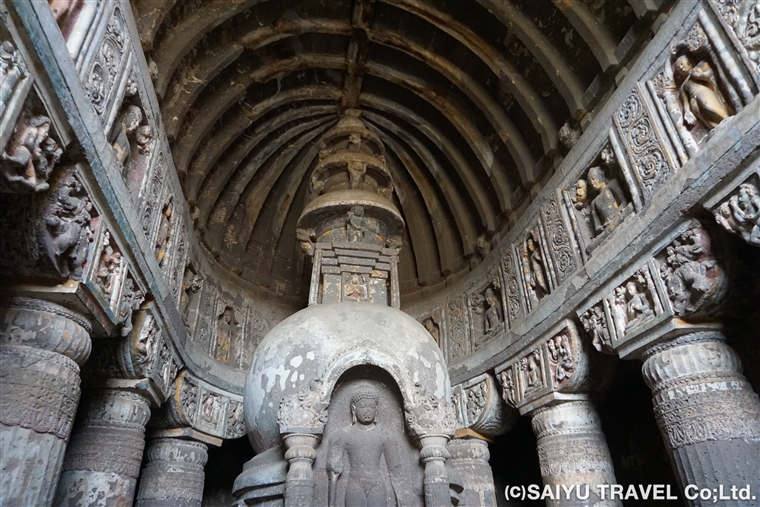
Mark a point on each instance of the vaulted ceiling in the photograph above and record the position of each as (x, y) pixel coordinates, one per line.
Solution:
(467, 95)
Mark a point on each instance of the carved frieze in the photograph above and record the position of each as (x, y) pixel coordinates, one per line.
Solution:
(13, 72)
(305, 411)
(110, 271)
(50, 234)
(207, 319)
(480, 408)
(536, 278)
(595, 322)
(743, 18)
(131, 299)
(694, 282)
(178, 262)
(235, 421)
(459, 343)
(429, 415)
(434, 324)
(108, 64)
(651, 165)
(228, 332)
(634, 303)
(739, 213)
(30, 155)
(560, 246)
(557, 366)
(151, 195)
(513, 295)
(190, 296)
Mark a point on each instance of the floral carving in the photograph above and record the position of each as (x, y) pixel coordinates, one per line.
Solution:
(458, 342)
(559, 241)
(12, 71)
(305, 410)
(105, 66)
(514, 306)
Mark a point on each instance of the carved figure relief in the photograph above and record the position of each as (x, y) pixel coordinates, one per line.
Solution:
(227, 334)
(166, 368)
(594, 322)
(31, 155)
(476, 400)
(64, 232)
(531, 369)
(740, 214)
(190, 296)
(164, 235)
(432, 324)
(360, 229)
(131, 299)
(188, 399)
(561, 358)
(130, 135)
(700, 97)
(109, 271)
(235, 421)
(355, 287)
(211, 414)
(634, 302)
(598, 201)
(486, 313)
(508, 386)
(358, 450)
(690, 272)
(535, 274)
(146, 346)
(568, 136)
(12, 71)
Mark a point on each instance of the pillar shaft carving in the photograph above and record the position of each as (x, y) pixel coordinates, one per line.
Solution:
(706, 410)
(174, 474)
(469, 457)
(300, 454)
(434, 455)
(572, 452)
(41, 347)
(103, 460)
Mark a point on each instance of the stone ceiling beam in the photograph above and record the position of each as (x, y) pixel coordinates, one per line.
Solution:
(464, 170)
(215, 177)
(224, 207)
(241, 223)
(435, 213)
(183, 36)
(466, 229)
(512, 79)
(593, 32)
(361, 21)
(559, 71)
(149, 14)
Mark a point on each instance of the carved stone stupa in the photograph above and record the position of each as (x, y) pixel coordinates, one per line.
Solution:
(348, 402)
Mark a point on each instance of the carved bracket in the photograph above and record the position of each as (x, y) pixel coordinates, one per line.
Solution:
(479, 407)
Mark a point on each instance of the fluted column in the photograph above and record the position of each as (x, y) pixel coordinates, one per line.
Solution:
(103, 460)
(469, 457)
(41, 347)
(573, 452)
(707, 412)
(174, 475)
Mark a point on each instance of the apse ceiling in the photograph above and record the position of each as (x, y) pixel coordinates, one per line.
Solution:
(467, 95)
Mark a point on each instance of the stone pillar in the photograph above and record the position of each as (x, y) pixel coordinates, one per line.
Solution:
(173, 476)
(707, 412)
(434, 455)
(469, 457)
(572, 451)
(103, 460)
(41, 347)
(300, 454)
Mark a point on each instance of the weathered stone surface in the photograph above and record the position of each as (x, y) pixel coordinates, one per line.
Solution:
(41, 347)
(173, 475)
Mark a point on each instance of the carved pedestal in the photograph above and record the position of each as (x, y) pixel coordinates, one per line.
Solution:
(572, 452)
(41, 348)
(300, 454)
(102, 461)
(174, 474)
(469, 457)
(434, 455)
(707, 412)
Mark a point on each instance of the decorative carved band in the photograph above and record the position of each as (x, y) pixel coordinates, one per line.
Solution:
(106, 450)
(40, 390)
(698, 337)
(46, 306)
